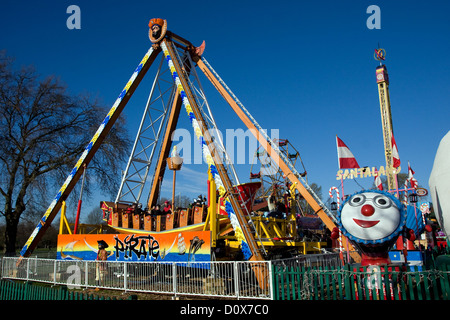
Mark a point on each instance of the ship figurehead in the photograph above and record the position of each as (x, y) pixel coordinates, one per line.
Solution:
(158, 29)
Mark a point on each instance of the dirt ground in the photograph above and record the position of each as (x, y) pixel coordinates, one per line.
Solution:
(142, 296)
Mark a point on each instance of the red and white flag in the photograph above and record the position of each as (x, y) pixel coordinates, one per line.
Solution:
(395, 155)
(412, 181)
(378, 182)
(346, 158)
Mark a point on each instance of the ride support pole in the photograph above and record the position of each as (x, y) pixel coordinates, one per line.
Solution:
(77, 219)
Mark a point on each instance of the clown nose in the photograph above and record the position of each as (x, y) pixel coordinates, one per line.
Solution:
(367, 210)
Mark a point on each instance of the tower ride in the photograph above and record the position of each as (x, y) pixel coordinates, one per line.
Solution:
(386, 117)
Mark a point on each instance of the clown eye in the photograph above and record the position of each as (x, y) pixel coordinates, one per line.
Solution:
(357, 200)
(382, 202)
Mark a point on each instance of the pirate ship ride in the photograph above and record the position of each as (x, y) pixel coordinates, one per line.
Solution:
(229, 225)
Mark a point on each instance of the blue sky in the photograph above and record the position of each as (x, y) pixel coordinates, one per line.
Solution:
(303, 67)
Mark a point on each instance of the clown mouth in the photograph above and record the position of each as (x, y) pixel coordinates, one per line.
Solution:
(365, 223)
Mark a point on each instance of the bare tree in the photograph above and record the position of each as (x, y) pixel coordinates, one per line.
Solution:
(95, 216)
(43, 131)
(305, 207)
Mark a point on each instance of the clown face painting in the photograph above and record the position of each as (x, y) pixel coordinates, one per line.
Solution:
(372, 220)
(371, 216)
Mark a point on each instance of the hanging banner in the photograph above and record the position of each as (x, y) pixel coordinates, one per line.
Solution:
(189, 246)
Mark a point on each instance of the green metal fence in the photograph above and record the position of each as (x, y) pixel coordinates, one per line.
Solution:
(360, 283)
(13, 290)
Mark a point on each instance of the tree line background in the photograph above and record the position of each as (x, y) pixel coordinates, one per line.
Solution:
(43, 131)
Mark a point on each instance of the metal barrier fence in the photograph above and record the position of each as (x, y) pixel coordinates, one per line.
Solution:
(230, 279)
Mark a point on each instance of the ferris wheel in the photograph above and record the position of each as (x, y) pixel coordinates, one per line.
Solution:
(266, 170)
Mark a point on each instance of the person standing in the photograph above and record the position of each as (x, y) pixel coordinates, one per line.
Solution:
(102, 256)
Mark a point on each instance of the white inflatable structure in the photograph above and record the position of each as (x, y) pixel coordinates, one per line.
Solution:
(439, 183)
